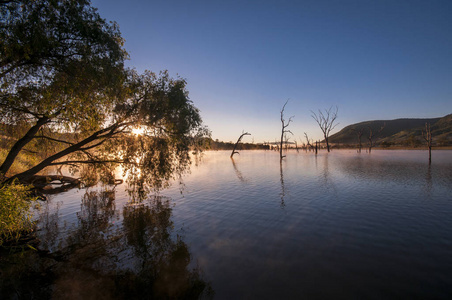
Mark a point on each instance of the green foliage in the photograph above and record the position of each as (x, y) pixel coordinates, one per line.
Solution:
(22, 163)
(15, 213)
(66, 97)
(171, 125)
(60, 60)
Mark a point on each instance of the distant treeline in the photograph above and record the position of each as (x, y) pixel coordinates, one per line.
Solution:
(219, 145)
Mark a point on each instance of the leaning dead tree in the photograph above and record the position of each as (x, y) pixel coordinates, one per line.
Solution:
(427, 135)
(284, 131)
(326, 122)
(373, 137)
(238, 141)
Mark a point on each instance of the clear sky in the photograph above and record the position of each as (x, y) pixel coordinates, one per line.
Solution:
(243, 59)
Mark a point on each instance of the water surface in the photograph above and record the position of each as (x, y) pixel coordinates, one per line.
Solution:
(336, 225)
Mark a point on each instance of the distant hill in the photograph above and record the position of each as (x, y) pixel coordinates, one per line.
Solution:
(399, 132)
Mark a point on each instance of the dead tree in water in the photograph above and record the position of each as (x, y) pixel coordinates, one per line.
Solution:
(359, 134)
(284, 125)
(286, 141)
(238, 141)
(371, 136)
(427, 135)
(308, 142)
(326, 122)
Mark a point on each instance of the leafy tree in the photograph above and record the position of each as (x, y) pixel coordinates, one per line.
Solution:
(66, 97)
(15, 213)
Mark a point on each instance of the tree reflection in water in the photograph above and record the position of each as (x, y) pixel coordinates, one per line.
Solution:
(237, 172)
(283, 189)
(161, 263)
(100, 259)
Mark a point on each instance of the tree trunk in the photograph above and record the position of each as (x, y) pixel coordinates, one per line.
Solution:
(24, 176)
(327, 145)
(17, 147)
(281, 144)
(238, 141)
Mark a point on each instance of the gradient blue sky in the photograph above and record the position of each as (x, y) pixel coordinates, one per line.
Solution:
(243, 59)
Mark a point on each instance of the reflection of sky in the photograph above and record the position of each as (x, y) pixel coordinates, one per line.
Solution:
(349, 220)
(335, 204)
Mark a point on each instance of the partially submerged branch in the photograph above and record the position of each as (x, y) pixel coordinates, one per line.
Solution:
(238, 141)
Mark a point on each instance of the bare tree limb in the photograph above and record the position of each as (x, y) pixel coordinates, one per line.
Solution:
(52, 139)
(326, 122)
(359, 134)
(284, 125)
(238, 141)
(371, 136)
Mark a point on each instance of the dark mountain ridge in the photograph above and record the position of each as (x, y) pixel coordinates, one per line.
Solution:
(398, 132)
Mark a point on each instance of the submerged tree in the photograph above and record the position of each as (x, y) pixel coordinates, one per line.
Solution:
(308, 142)
(326, 122)
(372, 138)
(284, 131)
(359, 134)
(66, 97)
(427, 135)
(238, 141)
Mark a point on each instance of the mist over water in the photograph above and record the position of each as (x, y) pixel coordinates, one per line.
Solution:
(338, 225)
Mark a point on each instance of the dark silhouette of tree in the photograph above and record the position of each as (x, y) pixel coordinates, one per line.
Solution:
(284, 125)
(104, 256)
(238, 141)
(372, 138)
(427, 135)
(326, 122)
(359, 134)
(283, 189)
(308, 142)
(237, 171)
(67, 97)
(58, 60)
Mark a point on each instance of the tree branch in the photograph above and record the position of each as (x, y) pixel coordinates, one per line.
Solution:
(75, 162)
(52, 139)
(238, 141)
(17, 147)
(71, 149)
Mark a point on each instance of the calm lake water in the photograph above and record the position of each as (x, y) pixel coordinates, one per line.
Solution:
(335, 225)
